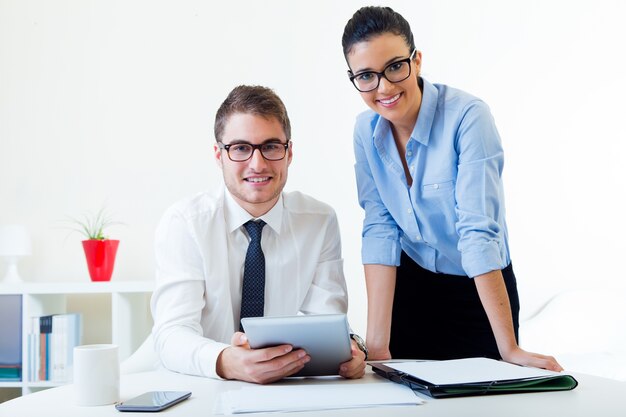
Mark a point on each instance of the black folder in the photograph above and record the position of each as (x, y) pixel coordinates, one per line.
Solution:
(555, 382)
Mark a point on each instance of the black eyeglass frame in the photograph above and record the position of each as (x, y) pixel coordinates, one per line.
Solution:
(222, 145)
(382, 74)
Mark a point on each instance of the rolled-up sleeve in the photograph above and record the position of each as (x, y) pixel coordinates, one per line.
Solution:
(479, 192)
(381, 234)
(178, 301)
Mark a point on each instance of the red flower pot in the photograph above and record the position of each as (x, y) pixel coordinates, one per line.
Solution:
(100, 255)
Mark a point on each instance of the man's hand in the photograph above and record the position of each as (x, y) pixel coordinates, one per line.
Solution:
(355, 367)
(260, 366)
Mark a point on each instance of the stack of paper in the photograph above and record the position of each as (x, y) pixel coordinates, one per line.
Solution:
(468, 371)
(305, 397)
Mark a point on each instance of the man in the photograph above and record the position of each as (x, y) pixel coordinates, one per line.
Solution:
(210, 250)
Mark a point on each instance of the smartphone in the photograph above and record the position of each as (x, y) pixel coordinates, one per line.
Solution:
(153, 401)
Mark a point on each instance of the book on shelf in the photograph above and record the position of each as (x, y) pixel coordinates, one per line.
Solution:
(10, 337)
(51, 341)
(10, 372)
(45, 328)
(65, 336)
(33, 349)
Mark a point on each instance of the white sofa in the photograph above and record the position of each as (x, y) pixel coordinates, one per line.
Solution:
(142, 360)
(584, 329)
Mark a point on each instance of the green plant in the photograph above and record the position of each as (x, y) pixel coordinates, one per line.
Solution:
(92, 226)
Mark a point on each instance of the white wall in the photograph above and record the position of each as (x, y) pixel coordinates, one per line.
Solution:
(112, 102)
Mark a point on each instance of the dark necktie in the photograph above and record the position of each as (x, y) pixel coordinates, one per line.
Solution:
(253, 289)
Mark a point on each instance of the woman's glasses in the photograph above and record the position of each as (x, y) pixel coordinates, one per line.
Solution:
(394, 73)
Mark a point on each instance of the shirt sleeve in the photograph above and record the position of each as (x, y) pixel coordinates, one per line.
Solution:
(328, 292)
(178, 300)
(479, 192)
(381, 234)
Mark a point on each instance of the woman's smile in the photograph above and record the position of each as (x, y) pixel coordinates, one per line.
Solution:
(389, 101)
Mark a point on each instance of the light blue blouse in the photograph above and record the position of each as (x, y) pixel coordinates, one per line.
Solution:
(452, 218)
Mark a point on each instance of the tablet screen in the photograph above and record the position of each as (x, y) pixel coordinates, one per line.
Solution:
(325, 337)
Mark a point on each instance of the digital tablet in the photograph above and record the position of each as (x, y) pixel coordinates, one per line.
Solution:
(325, 337)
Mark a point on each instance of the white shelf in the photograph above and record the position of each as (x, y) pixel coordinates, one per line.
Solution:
(80, 287)
(130, 321)
(11, 384)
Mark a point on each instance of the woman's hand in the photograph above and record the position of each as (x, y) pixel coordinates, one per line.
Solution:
(381, 285)
(519, 356)
(495, 300)
(375, 353)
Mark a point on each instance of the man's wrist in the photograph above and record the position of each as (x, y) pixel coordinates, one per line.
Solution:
(360, 343)
(219, 369)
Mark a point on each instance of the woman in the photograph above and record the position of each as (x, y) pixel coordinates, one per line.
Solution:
(429, 160)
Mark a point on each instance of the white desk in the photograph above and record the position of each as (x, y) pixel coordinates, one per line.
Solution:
(594, 396)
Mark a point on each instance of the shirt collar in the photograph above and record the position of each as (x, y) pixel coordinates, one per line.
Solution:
(421, 131)
(236, 216)
(428, 108)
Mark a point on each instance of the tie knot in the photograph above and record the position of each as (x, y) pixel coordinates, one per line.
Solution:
(254, 229)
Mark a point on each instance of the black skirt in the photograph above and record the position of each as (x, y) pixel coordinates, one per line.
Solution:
(440, 316)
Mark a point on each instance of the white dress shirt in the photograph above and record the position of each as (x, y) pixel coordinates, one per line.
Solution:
(200, 249)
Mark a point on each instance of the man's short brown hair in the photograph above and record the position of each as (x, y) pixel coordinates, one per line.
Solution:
(255, 99)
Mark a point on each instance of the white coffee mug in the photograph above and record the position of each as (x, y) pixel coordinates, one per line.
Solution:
(96, 374)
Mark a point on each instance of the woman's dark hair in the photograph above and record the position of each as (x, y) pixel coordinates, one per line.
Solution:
(370, 21)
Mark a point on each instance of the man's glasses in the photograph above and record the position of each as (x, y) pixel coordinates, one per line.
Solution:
(240, 152)
(394, 73)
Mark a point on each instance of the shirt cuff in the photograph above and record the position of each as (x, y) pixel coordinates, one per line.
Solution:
(482, 259)
(379, 251)
(208, 358)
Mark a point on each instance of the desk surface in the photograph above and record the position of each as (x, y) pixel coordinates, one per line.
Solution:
(593, 397)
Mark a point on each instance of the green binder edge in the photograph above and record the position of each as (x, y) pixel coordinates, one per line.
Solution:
(526, 385)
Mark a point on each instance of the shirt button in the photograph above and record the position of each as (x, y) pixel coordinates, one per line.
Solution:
(409, 153)
(412, 166)
(418, 238)
(436, 186)
(409, 211)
